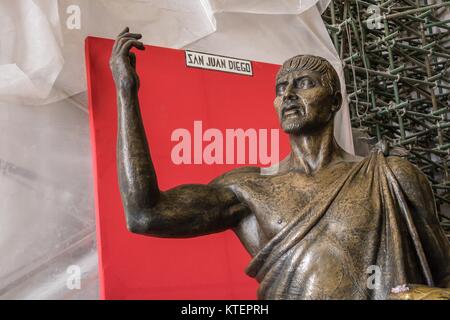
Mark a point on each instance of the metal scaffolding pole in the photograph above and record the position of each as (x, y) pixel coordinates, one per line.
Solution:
(396, 57)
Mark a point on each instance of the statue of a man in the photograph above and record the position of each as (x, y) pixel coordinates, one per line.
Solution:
(320, 226)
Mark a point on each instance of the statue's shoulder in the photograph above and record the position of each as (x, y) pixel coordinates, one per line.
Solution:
(406, 172)
(415, 185)
(237, 176)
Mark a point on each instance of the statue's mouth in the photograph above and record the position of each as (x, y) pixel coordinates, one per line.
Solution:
(293, 110)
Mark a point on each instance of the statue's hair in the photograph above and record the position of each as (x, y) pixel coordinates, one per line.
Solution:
(329, 77)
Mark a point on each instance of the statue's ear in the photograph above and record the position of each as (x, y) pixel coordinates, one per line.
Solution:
(337, 101)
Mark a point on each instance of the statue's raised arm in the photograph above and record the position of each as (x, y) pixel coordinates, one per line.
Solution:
(184, 211)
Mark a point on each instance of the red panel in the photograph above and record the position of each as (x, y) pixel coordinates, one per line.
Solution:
(171, 96)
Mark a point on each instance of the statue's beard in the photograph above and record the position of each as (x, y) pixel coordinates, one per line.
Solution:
(303, 125)
(293, 126)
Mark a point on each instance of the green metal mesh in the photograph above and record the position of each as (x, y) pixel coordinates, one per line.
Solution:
(396, 63)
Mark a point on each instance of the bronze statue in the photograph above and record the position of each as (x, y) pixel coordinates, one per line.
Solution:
(316, 226)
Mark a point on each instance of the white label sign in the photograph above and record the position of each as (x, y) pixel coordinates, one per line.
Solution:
(218, 63)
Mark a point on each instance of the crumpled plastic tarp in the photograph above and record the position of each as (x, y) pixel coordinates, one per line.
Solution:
(47, 221)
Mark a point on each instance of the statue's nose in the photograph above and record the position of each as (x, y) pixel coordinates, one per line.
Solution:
(289, 93)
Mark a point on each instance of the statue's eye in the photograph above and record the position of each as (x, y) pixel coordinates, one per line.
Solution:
(305, 83)
(280, 89)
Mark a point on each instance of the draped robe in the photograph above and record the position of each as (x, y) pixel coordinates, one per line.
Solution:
(379, 217)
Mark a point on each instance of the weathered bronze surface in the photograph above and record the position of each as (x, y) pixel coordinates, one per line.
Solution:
(316, 225)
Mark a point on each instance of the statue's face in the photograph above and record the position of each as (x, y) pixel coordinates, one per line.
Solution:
(303, 104)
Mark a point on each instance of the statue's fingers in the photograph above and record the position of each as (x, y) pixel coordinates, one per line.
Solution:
(127, 45)
(120, 36)
(131, 35)
(126, 30)
(127, 35)
(121, 42)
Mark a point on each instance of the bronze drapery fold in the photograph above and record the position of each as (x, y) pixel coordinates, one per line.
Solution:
(284, 268)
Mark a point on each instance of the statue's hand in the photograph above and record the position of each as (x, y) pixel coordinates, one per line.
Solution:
(419, 292)
(123, 62)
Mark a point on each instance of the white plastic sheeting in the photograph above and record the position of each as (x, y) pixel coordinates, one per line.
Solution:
(30, 42)
(46, 195)
(46, 221)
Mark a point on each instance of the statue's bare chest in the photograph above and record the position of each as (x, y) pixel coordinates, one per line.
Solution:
(276, 200)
